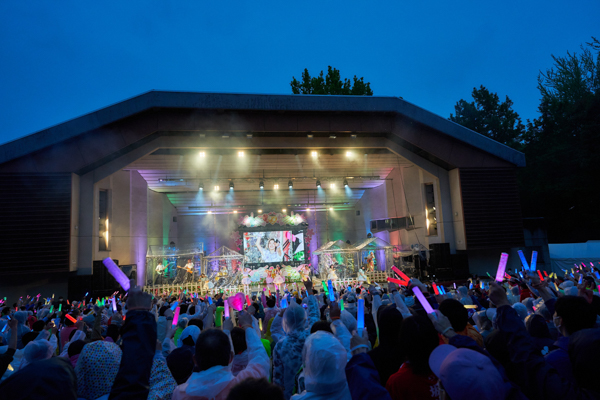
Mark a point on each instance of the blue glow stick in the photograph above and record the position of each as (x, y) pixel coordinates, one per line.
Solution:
(283, 303)
(209, 300)
(5, 326)
(597, 274)
(360, 323)
(174, 306)
(86, 294)
(580, 280)
(523, 260)
(520, 273)
(533, 260)
(441, 289)
(331, 294)
(471, 285)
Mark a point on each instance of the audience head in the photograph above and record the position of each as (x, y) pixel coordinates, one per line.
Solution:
(321, 326)
(113, 332)
(39, 325)
(255, 389)
(271, 301)
(196, 322)
(324, 360)
(572, 314)
(521, 310)
(181, 363)
(456, 313)
(537, 327)
(419, 338)
(238, 338)
(212, 348)
(293, 318)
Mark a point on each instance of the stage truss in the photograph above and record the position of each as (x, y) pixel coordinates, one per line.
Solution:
(171, 257)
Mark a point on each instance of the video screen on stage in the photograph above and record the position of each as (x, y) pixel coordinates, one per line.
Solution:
(273, 247)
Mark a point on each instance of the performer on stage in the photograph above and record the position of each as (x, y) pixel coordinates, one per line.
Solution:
(370, 263)
(332, 274)
(269, 277)
(204, 282)
(246, 281)
(362, 277)
(305, 272)
(279, 279)
(189, 272)
(161, 270)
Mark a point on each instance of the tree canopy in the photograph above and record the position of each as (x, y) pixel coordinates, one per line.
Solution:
(330, 84)
(560, 182)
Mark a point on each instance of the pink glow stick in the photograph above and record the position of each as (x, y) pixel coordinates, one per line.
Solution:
(116, 272)
(114, 304)
(226, 306)
(176, 316)
(501, 267)
(422, 300)
(401, 274)
(248, 300)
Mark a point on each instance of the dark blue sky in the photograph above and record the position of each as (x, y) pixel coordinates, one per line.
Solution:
(62, 59)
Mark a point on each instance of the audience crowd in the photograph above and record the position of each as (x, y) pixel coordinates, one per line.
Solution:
(523, 338)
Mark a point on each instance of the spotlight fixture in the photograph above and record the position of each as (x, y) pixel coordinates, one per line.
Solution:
(353, 136)
(318, 183)
(308, 209)
(216, 187)
(348, 154)
(260, 211)
(290, 184)
(261, 184)
(248, 135)
(330, 208)
(332, 136)
(202, 154)
(310, 136)
(225, 136)
(345, 182)
(314, 154)
(209, 212)
(201, 186)
(240, 154)
(332, 185)
(283, 210)
(235, 211)
(231, 185)
(276, 186)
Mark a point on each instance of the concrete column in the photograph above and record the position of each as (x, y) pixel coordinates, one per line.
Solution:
(85, 255)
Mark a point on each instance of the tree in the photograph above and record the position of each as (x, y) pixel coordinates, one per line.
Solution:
(330, 84)
(561, 146)
(486, 115)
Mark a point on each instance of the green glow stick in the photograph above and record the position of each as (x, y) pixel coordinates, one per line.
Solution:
(325, 288)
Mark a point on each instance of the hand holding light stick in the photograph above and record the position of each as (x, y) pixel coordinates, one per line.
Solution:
(502, 266)
(533, 260)
(397, 281)
(401, 274)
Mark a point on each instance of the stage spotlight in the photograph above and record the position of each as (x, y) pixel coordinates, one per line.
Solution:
(283, 210)
(308, 209)
(202, 154)
(330, 208)
(314, 154)
(209, 212)
(332, 185)
(260, 211)
(235, 211)
(240, 154)
(201, 186)
(261, 184)
(348, 154)
(345, 182)
(290, 184)
(216, 187)
(276, 186)
(318, 183)
(231, 185)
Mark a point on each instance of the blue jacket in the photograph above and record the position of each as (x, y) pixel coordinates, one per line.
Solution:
(559, 359)
(363, 379)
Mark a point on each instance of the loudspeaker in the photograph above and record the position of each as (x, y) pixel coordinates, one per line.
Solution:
(102, 280)
(460, 265)
(439, 255)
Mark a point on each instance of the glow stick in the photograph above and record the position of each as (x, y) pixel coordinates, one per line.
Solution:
(401, 274)
(435, 289)
(422, 300)
(324, 288)
(502, 267)
(331, 294)
(597, 274)
(342, 304)
(533, 260)
(540, 275)
(5, 326)
(260, 323)
(176, 316)
(470, 306)
(114, 305)
(523, 260)
(60, 307)
(520, 273)
(226, 306)
(455, 285)
(442, 290)
(174, 306)
(283, 303)
(397, 281)
(51, 308)
(219, 316)
(471, 285)
(248, 301)
(209, 300)
(545, 273)
(68, 302)
(580, 280)
(360, 314)
(488, 274)
(73, 320)
(116, 272)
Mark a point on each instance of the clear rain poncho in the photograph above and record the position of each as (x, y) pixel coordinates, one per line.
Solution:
(324, 360)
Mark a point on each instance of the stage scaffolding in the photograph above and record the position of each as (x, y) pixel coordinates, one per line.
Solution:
(172, 257)
(222, 267)
(339, 252)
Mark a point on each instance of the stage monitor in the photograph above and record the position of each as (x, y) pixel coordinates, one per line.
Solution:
(274, 247)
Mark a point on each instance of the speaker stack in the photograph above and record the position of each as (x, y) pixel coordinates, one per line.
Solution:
(440, 261)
